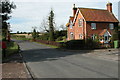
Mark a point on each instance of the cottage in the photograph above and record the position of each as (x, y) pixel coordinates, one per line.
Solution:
(92, 23)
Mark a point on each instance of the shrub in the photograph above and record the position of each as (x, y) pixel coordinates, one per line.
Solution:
(81, 44)
(44, 36)
(92, 44)
(59, 38)
(74, 44)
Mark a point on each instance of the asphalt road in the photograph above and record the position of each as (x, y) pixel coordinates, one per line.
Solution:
(45, 62)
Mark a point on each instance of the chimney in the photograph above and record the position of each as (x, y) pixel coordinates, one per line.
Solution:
(74, 10)
(109, 7)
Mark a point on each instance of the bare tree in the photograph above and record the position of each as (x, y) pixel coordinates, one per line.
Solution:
(44, 26)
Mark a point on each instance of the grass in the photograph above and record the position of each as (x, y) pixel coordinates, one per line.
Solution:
(60, 41)
(48, 45)
(12, 47)
(21, 38)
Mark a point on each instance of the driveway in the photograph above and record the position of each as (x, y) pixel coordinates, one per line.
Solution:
(46, 62)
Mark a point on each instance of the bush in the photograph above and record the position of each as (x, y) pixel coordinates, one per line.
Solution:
(81, 44)
(74, 44)
(92, 44)
(44, 36)
(59, 38)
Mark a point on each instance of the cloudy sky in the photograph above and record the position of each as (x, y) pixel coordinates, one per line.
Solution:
(30, 13)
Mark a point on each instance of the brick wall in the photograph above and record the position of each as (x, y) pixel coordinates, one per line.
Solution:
(99, 28)
(76, 30)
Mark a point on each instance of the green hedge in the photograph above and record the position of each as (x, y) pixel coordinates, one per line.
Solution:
(81, 44)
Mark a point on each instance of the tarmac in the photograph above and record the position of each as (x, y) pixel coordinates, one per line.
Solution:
(14, 66)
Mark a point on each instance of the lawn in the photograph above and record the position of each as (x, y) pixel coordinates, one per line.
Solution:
(18, 38)
(12, 47)
(60, 41)
(48, 45)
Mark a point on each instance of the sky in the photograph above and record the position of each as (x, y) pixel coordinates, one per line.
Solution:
(30, 13)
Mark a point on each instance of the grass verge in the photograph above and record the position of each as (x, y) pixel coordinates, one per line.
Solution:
(21, 38)
(12, 48)
(48, 45)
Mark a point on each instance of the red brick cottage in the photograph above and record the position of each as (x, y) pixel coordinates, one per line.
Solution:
(91, 23)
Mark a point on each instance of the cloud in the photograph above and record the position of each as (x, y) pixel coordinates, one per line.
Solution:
(29, 14)
(64, 0)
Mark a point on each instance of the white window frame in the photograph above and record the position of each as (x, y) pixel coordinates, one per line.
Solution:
(111, 26)
(71, 35)
(81, 36)
(80, 22)
(93, 25)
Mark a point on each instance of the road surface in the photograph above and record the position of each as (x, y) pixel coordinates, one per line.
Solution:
(45, 62)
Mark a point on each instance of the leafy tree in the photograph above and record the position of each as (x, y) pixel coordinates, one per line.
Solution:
(34, 34)
(119, 31)
(18, 32)
(115, 35)
(51, 25)
(5, 9)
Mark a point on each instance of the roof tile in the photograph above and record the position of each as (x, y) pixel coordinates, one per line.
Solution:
(97, 15)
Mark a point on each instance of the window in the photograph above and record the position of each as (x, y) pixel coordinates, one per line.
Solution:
(80, 36)
(93, 25)
(71, 35)
(80, 22)
(71, 25)
(111, 26)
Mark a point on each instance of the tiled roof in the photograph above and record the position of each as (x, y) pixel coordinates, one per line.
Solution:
(97, 15)
(71, 18)
(67, 24)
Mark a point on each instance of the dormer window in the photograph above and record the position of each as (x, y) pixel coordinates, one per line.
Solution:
(80, 22)
(111, 26)
(93, 25)
(71, 25)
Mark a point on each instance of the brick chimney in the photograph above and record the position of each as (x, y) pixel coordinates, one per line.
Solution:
(109, 7)
(74, 10)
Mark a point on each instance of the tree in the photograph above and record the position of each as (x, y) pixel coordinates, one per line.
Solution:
(119, 31)
(51, 25)
(35, 34)
(115, 35)
(6, 8)
(18, 32)
(62, 26)
(44, 26)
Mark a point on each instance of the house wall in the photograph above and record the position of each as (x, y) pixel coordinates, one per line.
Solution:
(99, 28)
(69, 30)
(79, 30)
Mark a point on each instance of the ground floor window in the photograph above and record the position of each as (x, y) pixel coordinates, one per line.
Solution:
(81, 36)
(71, 35)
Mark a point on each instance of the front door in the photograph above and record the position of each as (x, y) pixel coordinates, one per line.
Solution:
(106, 39)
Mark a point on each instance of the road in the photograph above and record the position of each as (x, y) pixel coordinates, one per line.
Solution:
(46, 62)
